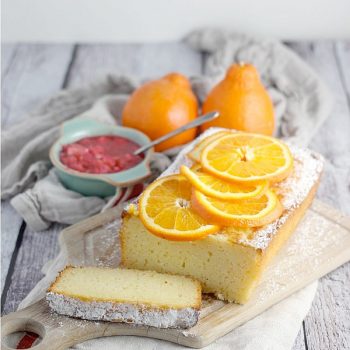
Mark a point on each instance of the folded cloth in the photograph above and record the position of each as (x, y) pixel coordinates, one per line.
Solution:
(49, 201)
(301, 103)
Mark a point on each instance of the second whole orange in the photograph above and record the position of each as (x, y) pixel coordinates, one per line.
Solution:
(243, 102)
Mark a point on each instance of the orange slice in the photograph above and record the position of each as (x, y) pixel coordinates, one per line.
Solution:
(166, 211)
(219, 188)
(195, 154)
(251, 212)
(246, 157)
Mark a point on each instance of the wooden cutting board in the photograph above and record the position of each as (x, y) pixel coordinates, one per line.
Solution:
(320, 244)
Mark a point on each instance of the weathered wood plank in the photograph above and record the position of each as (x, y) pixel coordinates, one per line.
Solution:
(7, 53)
(137, 60)
(10, 224)
(31, 74)
(299, 343)
(36, 250)
(10, 221)
(342, 52)
(36, 72)
(327, 325)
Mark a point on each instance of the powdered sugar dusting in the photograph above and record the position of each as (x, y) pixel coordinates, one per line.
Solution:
(307, 169)
(122, 312)
(292, 192)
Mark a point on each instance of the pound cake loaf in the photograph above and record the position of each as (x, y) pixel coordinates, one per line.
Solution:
(123, 295)
(230, 262)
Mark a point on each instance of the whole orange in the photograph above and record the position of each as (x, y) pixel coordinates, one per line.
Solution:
(161, 106)
(242, 101)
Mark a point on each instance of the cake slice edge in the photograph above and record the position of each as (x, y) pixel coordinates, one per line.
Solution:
(127, 312)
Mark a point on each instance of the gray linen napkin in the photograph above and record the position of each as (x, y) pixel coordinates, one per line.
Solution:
(301, 100)
(49, 201)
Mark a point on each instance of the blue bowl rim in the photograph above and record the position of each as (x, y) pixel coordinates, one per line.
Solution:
(103, 177)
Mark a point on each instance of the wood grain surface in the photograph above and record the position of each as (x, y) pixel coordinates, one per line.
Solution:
(31, 73)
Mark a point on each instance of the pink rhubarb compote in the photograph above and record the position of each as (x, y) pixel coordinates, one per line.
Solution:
(100, 154)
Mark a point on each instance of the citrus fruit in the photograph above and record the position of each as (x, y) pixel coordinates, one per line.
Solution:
(250, 212)
(242, 101)
(219, 188)
(166, 211)
(161, 106)
(195, 154)
(248, 158)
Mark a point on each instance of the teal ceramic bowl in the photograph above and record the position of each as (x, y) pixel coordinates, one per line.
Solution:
(101, 185)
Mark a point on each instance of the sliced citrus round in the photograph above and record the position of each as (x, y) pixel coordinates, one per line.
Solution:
(251, 212)
(195, 154)
(166, 211)
(246, 157)
(220, 188)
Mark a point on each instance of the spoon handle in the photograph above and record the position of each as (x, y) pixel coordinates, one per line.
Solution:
(198, 121)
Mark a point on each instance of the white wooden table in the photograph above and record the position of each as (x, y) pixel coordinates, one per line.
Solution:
(32, 73)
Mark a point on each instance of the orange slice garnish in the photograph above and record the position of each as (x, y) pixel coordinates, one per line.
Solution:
(248, 158)
(220, 188)
(251, 212)
(195, 154)
(165, 209)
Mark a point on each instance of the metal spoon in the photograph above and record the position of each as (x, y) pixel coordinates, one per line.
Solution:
(198, 121)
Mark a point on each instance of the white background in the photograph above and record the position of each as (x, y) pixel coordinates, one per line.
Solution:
(161, 20)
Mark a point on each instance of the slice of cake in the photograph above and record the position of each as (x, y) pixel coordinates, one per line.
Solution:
(123, 295)
(229, 263)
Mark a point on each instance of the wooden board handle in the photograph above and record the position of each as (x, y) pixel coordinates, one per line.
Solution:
(57, 332)
(38, 319)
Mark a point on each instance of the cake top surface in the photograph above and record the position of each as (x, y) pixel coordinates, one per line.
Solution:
(292, 191)
(128, 286)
